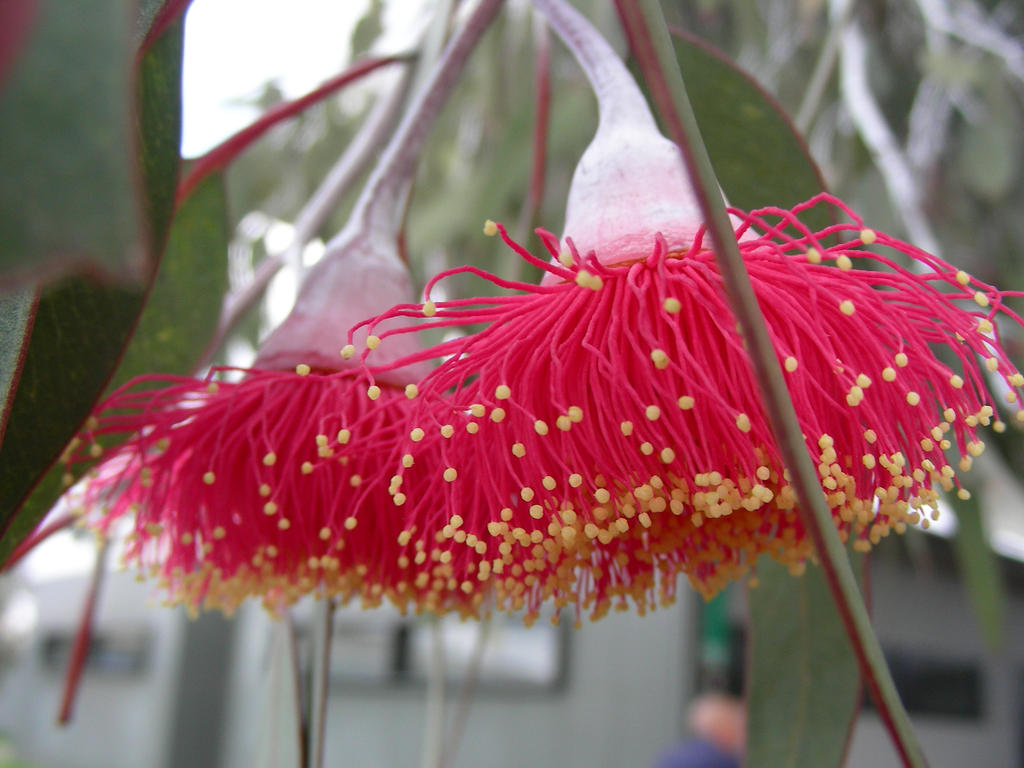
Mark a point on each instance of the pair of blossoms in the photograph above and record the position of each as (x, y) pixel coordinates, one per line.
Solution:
(599, 436)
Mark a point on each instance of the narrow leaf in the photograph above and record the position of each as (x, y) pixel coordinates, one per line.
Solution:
(66, 177)
(804, 680)
(979, 567)
(82, 325)
(803, 683)
(16, 311)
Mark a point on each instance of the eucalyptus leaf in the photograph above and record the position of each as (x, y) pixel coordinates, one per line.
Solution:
(979, 567)
(803, 680)
(82, 323)
(16, 310)
(66, 180)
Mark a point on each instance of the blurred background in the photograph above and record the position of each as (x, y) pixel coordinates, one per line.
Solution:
(913, 112)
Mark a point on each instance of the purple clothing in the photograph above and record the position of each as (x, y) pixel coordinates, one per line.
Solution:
(696, 753)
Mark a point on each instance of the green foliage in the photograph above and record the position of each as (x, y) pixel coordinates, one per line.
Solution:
(65, 118)
(803, 680)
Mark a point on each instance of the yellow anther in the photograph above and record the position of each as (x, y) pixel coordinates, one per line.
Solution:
(302, 369)
(627, 428)
(646, 448)
(659, 358)
(565, 259)
(507, 514)
(490, 228)
(526, 494)
(962, 277)
(502, 392)
(536, 511)
(1016, 380)
(416, 434)
(868, 460)
(844, 263)
(901, 360)
(863, 381)
(667, 455)
(398, 499)
(868, 236)
(575, 480)
(846, 307)
(472, 427)
(325, 533)
(652, 412)
(344, 436)
(602, 495)
(347, 352)
(411, 390)
(548, 482)
(270, 508)
(518, 450)
(999, 426)
(450, 474)
(307, 467)
(269, 459)
(583, 278)
(350, 523)
(889, 374)
(373, 392)
(498, 415)
(791, 364)
(813, 256)
(264, 490)
(564, 423)
(429, 308)
(992, 364)
(404, 538)
(743, 422)
(477, 410)
(927, 444)
(575, 414)
(447, 430)
(980, 299)
(975, 448)
(372, 342)
(870, 436)
(540, 427)
(355, 480)
(672, 305)
(985, 325)
(284, 524)
(686, 402)
(209, 478)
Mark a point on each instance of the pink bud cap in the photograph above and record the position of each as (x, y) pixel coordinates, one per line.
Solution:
(355, 280)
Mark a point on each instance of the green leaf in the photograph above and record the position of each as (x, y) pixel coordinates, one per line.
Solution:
(82, 324)
(66, 173)
(979, 567)
(758, 156)
(184, 306)
(803, 682)
(16, 310)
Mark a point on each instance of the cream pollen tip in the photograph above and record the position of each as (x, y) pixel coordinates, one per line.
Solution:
(813, 256)
(672, 305)
(411, 390)
(846, 307)
(347, 352)
(429, 309)
(209, 478)
(844, 263)
(269, 459)
(373, 392)
(450, 474)
(490, 228)
(502, 392)
(743, 422)
(565, 259)
(372, 342)
(302, 369)
(791, 364)
(868, 236)
(962, 277)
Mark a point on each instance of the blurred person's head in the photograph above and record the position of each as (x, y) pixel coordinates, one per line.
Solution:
(721, 719)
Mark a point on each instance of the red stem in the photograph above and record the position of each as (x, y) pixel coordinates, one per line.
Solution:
(37, 537)
(542, 90)
(166, 16)
(221, 155)
(83, 639)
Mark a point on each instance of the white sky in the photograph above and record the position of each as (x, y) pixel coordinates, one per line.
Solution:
(233, 47)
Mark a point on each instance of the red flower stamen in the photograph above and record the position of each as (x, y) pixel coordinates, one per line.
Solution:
(604, 434)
